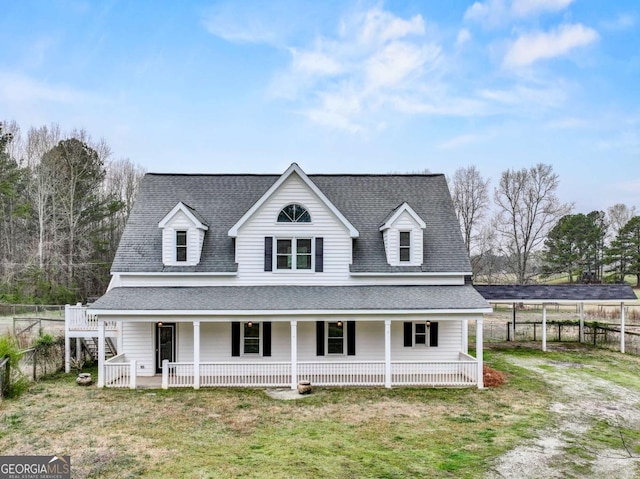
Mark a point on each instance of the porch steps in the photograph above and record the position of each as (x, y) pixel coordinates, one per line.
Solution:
(91, 346)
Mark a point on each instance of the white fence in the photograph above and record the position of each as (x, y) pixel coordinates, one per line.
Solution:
(118, 373)
(245, 374)
(352, 373)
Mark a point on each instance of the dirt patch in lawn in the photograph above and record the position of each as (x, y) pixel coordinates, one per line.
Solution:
(594, 431)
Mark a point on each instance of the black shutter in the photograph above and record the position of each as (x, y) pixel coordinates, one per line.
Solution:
(433, 334)
(235, 339)
(408, 335)
(351, 338)
(319, 338)
(268, 253)
(319, 255)
(266, 338)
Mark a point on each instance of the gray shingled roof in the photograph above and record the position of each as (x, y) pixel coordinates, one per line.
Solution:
(555, 293)
(221, 200)
(295, 298)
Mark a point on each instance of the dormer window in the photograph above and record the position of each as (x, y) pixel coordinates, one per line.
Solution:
(181, 246)
(405, 246)
(183, 231)
(294, 213)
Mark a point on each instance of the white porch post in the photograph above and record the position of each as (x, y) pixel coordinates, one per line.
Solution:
(387, 353)
(544, 327)
(582, 322)
(67, 339)
(622, 328)
(479, 345)
(165, 374)
(294, 354)
(119, 337)
(465, 336)
(196, 355)
(101, 353)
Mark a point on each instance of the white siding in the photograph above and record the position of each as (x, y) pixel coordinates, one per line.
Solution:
(138, 343)
(250, 240)
(449, 343)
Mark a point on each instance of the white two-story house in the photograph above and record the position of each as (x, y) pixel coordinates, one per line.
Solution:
(267, 280)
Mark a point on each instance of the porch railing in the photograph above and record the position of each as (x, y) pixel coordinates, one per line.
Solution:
(245, 374)
(352, 373)
(463, 372)
(120, 373)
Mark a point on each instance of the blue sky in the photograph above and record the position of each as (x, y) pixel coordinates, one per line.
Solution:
(339, 86)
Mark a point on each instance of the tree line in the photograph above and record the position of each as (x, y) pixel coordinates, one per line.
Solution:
(64, 202)
(529, 234)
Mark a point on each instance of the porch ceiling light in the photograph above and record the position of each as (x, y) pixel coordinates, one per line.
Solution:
(250, 324)
(339, 323)
(428, 323)
(160, 323)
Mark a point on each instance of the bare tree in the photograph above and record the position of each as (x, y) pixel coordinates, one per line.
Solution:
(618, 215)
(41, 188)
(470, 193)
(527, 208)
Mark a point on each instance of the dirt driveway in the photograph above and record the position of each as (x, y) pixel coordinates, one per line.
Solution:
(595, 431)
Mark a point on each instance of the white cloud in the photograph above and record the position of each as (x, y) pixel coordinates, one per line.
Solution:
(16, 88)
(568, 123)
(463, 37)
(529, 48)
(525, 8)
(526, 98)
(493, 13)
(458, 141)
(348, 80)
(622, 22)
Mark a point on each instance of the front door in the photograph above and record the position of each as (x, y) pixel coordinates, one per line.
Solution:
(165, 344)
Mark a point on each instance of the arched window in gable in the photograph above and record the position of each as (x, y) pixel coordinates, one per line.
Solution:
(294, 213)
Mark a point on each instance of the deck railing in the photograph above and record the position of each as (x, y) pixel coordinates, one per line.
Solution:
(120, 373)
(77, 319)
(347, 373)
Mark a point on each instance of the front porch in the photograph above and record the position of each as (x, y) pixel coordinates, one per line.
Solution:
(197, 356)
(120, 373)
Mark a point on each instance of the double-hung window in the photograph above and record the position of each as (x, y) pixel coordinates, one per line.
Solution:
(335, 338)
(251, 338)
(293, 254)
(405, 246)
(181, 246)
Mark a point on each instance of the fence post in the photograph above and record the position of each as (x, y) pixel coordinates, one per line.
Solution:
(559, 329)
(508, 332)
(132, 375)
(534, 332)
(35, 367)
(595, 332)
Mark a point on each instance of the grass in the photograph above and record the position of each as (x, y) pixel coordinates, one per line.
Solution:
(338, 433)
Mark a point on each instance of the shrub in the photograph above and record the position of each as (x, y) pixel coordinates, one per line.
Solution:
(17, 382)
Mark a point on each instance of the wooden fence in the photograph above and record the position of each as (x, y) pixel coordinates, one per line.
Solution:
(5, 371)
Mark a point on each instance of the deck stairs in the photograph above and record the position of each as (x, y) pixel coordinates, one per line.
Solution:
(90, 345)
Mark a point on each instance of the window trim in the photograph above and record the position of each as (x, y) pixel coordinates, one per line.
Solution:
(344, 338)
(242, 338)
(294, 254)
(292, 221)
(427, 334)
(184, 247)
(402, 247)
